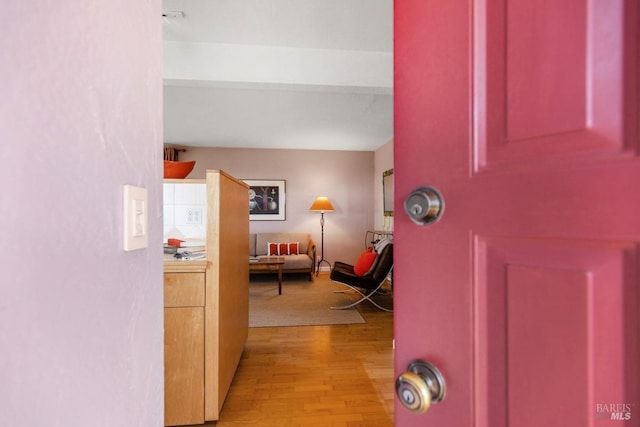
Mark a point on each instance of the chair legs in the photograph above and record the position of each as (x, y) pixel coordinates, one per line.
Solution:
(365, 296)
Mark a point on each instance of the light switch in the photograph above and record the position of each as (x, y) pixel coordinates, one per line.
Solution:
(136, 234)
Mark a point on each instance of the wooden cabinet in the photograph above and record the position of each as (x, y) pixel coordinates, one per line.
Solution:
(184, 343)
(207, 309)
(184, 365)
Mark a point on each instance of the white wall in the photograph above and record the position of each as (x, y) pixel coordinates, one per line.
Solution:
(81, 321)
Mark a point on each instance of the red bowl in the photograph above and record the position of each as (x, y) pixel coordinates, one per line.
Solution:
(178, 170)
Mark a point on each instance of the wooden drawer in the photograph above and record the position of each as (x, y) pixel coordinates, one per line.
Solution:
(184, 289)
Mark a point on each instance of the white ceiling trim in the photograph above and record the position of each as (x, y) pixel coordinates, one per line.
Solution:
(234, 64)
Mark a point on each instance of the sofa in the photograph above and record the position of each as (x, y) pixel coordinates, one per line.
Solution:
(304, 262)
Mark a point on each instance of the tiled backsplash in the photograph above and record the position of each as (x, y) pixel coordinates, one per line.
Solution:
(185, 210)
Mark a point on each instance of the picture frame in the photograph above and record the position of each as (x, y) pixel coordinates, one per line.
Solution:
(387, 192)
(267, 199)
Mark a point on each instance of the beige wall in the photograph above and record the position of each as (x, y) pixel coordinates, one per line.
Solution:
(345, 177)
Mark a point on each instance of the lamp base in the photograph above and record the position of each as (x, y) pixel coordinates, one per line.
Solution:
(319, 263)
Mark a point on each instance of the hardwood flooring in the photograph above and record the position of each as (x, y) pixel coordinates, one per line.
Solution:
(339, 375)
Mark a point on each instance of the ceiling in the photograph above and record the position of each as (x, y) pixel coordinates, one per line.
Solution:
(309, 74)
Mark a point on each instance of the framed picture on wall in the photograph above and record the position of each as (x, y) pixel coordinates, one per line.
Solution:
(387, 192)
(266, 199)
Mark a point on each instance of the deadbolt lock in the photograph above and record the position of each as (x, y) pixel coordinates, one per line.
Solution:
(424, 205)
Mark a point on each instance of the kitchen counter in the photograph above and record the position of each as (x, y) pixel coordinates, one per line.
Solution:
(174, 265)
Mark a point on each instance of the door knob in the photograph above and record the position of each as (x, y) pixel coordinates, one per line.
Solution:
(424, 205)
(420, 386)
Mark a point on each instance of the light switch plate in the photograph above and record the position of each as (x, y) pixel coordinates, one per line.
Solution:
(136, 206)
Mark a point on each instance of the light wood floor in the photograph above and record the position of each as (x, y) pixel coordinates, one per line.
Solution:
(340, 375)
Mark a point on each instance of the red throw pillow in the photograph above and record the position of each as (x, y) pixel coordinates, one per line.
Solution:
(276, 249)
(283, 249)
(365, 262)
(293, 248)
(272, 249)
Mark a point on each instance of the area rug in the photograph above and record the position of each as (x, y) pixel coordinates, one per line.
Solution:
(302, 303)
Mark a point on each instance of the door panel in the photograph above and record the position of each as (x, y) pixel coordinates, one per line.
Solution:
(549, 79)
(543, 316)
(525, 295)
(547, 339)
(545, 88)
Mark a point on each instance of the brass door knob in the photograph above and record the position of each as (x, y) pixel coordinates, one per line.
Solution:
(420, 386)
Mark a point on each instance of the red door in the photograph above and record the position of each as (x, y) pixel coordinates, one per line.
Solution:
(525, 294)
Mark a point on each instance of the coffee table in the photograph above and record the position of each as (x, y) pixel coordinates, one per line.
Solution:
(269, 264)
